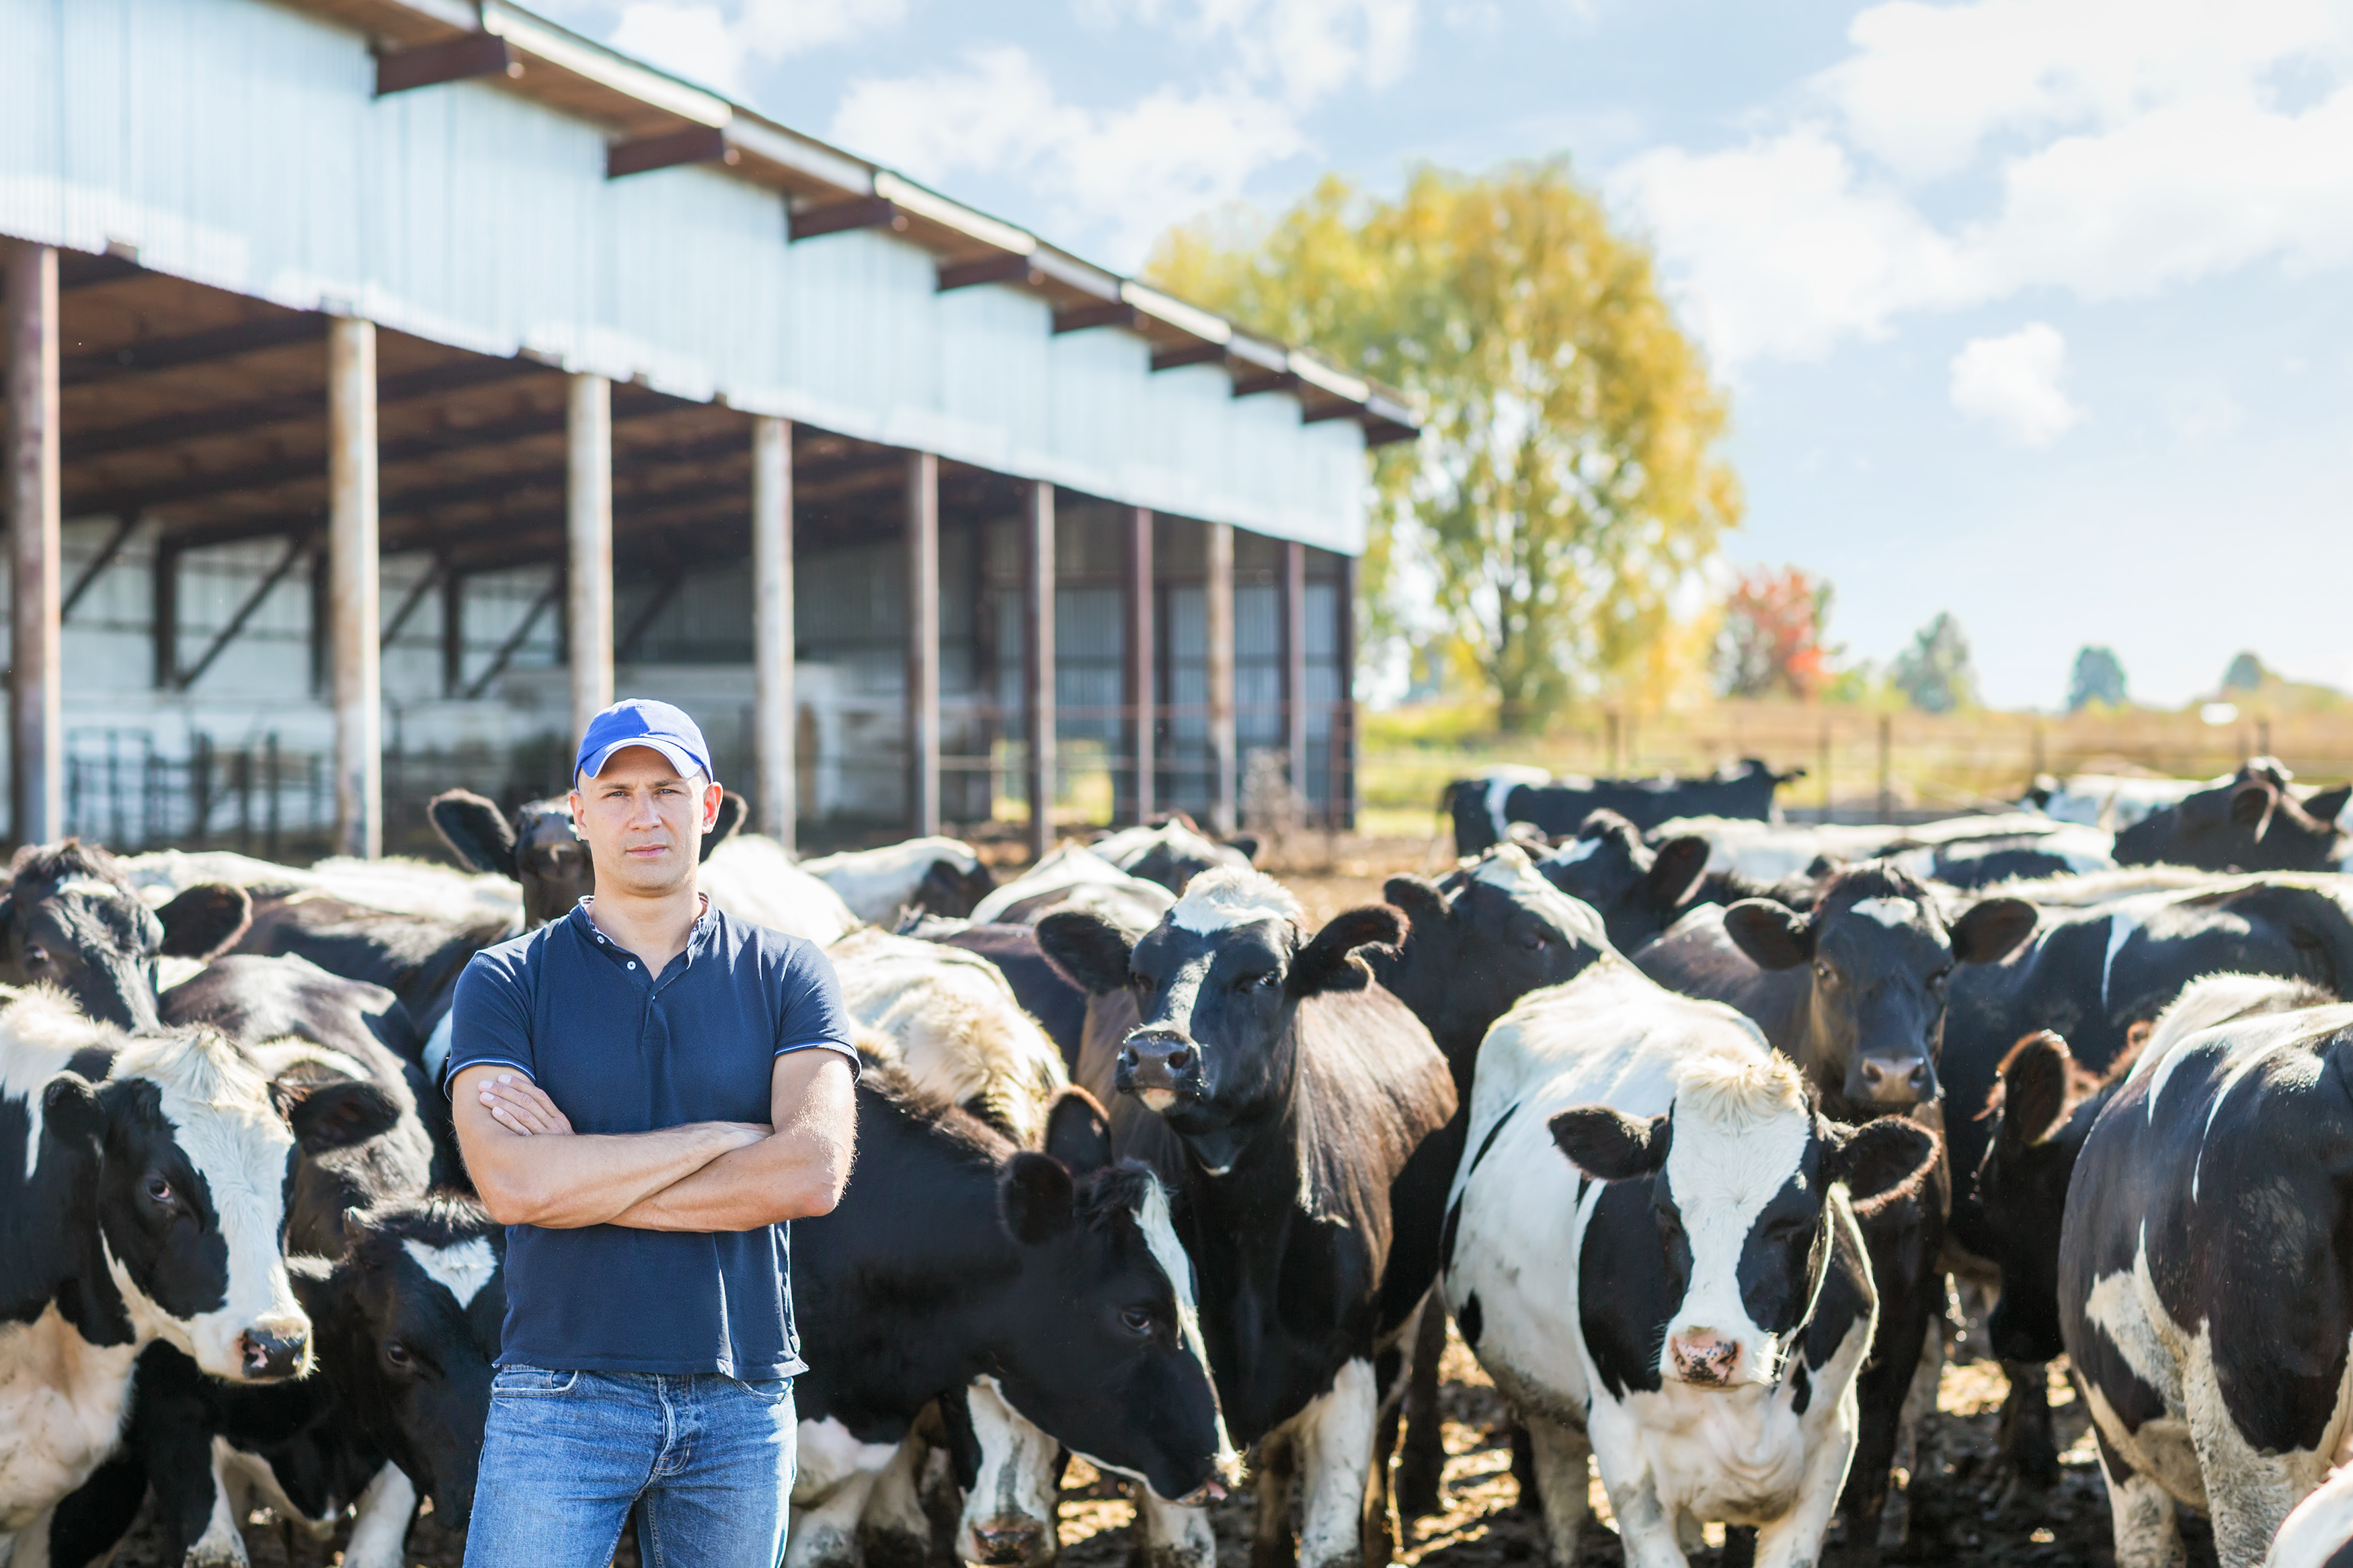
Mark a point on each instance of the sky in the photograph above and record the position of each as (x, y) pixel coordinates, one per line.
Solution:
(2036, 311)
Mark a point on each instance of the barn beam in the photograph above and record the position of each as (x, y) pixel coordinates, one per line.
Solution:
(672, 579)
(1218, 597)
(1294, 662)
(923, 564)
(108, 554)
(775, 716)
(1009, 268)
(588, 546)
(516, 638)
(415, 597)
(1189, 353)
(28, 298)
(696, 144)
(840, 217)
(465, 58)
(194, 348)
(297, 549)
(1142, 683)
(1038, 645)
(76, 269)
(1108, 313)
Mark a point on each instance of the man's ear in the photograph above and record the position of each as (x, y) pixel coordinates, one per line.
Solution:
(1609, 1145)
(1036, 1196)
(1078, 1133)
(1774, 935)
(1675, 874)
(1090, 951)
(476, 831)
(1330, 962)
(732, 810)
(204, 921)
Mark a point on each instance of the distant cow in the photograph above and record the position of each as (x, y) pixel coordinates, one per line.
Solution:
(1652, 1250)
(1075, 876)
(2253, 823)
(1483, 809)
(1963, 851)
(1173, 852)
(1299, 1091)
(142, 1187)
(2206, 1280)
(939, 875)
(1639, 889)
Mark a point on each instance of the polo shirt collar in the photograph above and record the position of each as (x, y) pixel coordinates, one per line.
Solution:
(706, 930)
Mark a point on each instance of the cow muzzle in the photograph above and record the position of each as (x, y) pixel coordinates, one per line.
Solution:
(1705, 1358)
(1006, 1539)
(264, 1355)
(1893, 1079)
(1158, 1066)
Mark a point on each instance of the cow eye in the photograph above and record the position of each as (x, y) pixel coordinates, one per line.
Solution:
(35, 953)
(1136, 1320)
(159, 1190)
(1536, 939)
(396, 1353)
(1936, 981)
(1823, 971)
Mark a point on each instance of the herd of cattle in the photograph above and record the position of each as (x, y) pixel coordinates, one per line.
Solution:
(1686, 1123)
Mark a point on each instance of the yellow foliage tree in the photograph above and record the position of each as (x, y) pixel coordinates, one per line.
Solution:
(1570, 480)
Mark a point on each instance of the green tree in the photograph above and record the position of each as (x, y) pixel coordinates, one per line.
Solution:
(1570, 476)
(1935, 672)
(2098, 677)
(2245, 674)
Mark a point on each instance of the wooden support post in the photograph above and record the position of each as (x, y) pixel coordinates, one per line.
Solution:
(1142, 685)
(776, 719)
(588, 540)
(453, 632)
(1038, 667)
(355, 660)
(1294, 665)
(36, 504)
(1349, 802)
(165, 616)
(1225, 788)
(922, 542)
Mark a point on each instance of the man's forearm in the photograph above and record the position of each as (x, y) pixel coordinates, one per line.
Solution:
(780, 1178)
(564, 1183)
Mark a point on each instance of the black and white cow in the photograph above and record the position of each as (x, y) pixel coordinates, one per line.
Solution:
(2255, 822)
(1640, 890)
(2319, 1533)
(1299, 1092)
(142, 1183)
(71, 921)
(1045, 992)
(1853, 991)
(1653, 1251)
(1485, 808)
(1173, 852)
(1076, 876)
(2205, 1279)
(938, 876)
(1041, 1289)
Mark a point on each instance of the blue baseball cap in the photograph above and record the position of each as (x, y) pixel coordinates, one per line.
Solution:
(639, 722)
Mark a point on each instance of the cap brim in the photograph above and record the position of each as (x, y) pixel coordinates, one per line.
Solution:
(679, 757)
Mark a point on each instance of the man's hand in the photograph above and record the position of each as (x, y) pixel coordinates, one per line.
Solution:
(521, 1106)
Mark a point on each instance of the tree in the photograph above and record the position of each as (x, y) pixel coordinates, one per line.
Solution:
(1935, 672)
(2099, 677)
(2245, 674)
(1772, 641)
(1570, 479)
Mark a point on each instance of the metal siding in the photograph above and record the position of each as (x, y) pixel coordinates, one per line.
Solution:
(237, 145)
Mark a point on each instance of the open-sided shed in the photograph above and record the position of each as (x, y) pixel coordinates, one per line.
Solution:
(384, 373)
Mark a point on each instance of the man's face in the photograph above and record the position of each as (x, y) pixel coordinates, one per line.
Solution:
(643, 821)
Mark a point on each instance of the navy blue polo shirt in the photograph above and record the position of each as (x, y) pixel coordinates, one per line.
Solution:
(620, 1050)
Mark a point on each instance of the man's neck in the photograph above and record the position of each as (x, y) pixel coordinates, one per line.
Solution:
(656, 927)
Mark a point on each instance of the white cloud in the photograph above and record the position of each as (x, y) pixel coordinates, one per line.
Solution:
(1307, 48)
(1138, 168)
(714, 44)
(2012, 384)
(2130, 146)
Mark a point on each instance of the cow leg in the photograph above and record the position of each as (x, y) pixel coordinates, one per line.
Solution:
(2140, 1515)
(894, 1532)
(1523, 1466)
(1884, 1395)
(826, 1535)
(380, 1528)
(2249, 1494)
(221, 1541)
(1421, 1466)
(1174, 1536)
(1563, 1485)
(1012, 1513)
(1795, 1540)
(1336, 1460)
(2026, 1447)
(1915, 1447)
(88, 1524)
(1272, 1471)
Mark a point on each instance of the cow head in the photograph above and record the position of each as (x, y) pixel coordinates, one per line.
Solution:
(408, 1328)
(2254, 822)
(1174, 852)
(192, 1152)
(1106, 1353)
(2041, 1109)
(541, 850)
(949, 890)
(1477, 942)
(1216, 984)
(71, 919)
(1879, 957)
(1740, 1170)
(1639, 890)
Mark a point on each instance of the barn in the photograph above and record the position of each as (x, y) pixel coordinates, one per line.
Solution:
(391, 381)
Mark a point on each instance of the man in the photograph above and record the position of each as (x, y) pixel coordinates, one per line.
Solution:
(647, 1091)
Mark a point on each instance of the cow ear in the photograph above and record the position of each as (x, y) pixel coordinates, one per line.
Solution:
(2251, 805)
(1775, 935)
(1881, 1162)
(1329, 962)
(1087, 950)
(2034, 1082)
(69, 1109)
(1991, 929)
(476, 831)
(1674, 876)
(206, 922)
(335, 1115)
(1419, 896)
(1078, 1133)
(732, 810)
(1037, 1197)
(1609, 1145)
(1245, 842)
(2330, 804)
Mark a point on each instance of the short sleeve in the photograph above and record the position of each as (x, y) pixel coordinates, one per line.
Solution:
(814, 1017)
(489, 1021)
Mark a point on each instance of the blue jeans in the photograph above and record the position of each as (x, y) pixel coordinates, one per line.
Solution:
(566, 1453)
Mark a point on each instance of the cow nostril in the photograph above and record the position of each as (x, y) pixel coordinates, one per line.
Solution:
(1006, 1543)
(1127, 1057)
(1179, 1058)
(1919, 1076)
(265, 1354)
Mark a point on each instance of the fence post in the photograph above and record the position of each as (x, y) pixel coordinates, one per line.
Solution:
(1826, 769)
(1613, 743)
(1886, 778)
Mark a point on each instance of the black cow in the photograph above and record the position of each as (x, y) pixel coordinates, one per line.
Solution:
(1640, 890)
(1299, 1092)
(1484, 809)
(541, 850)
(1047, 994)
(2253, 823)
(1173, 852)
(1052, 1279)
(71, 919)
(2205, 1279)
(144, 1206)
